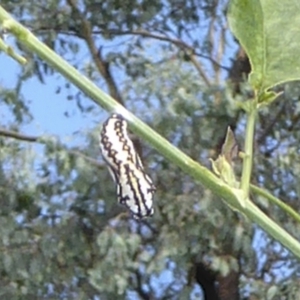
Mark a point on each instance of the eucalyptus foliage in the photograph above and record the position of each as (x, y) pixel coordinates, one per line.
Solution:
(63, 235)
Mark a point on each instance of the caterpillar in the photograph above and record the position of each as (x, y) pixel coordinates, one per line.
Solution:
(134, 187)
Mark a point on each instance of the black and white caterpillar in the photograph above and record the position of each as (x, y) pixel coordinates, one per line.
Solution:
(134, 187)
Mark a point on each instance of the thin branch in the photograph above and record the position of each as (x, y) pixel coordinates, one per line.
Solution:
(288, 209)
(220, 54)
(101, 64)
(36, 139)
(9, 51)
(199, 68)
(18, 136)
(190, 52)
(144, 33)
(139, 287)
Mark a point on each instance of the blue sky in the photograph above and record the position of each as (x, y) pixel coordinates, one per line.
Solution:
(46, 106)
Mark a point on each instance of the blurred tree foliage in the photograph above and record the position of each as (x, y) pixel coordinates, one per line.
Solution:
(174, 64)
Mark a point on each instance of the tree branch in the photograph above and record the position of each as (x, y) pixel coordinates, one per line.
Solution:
(207, 280)
(144, 33)
(18, 136)
(189, 50)
(229, 286)
(101, 64)
(139, 287)
(36, 139)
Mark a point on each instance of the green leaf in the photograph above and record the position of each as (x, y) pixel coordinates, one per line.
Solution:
(223, 165)
(230, 147)
(268, 30)
(272, 291)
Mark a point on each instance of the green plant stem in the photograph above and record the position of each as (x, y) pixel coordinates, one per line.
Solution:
(248, 156)
(289, 210)
(194, 169)
(276, 231)
(9, 51)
